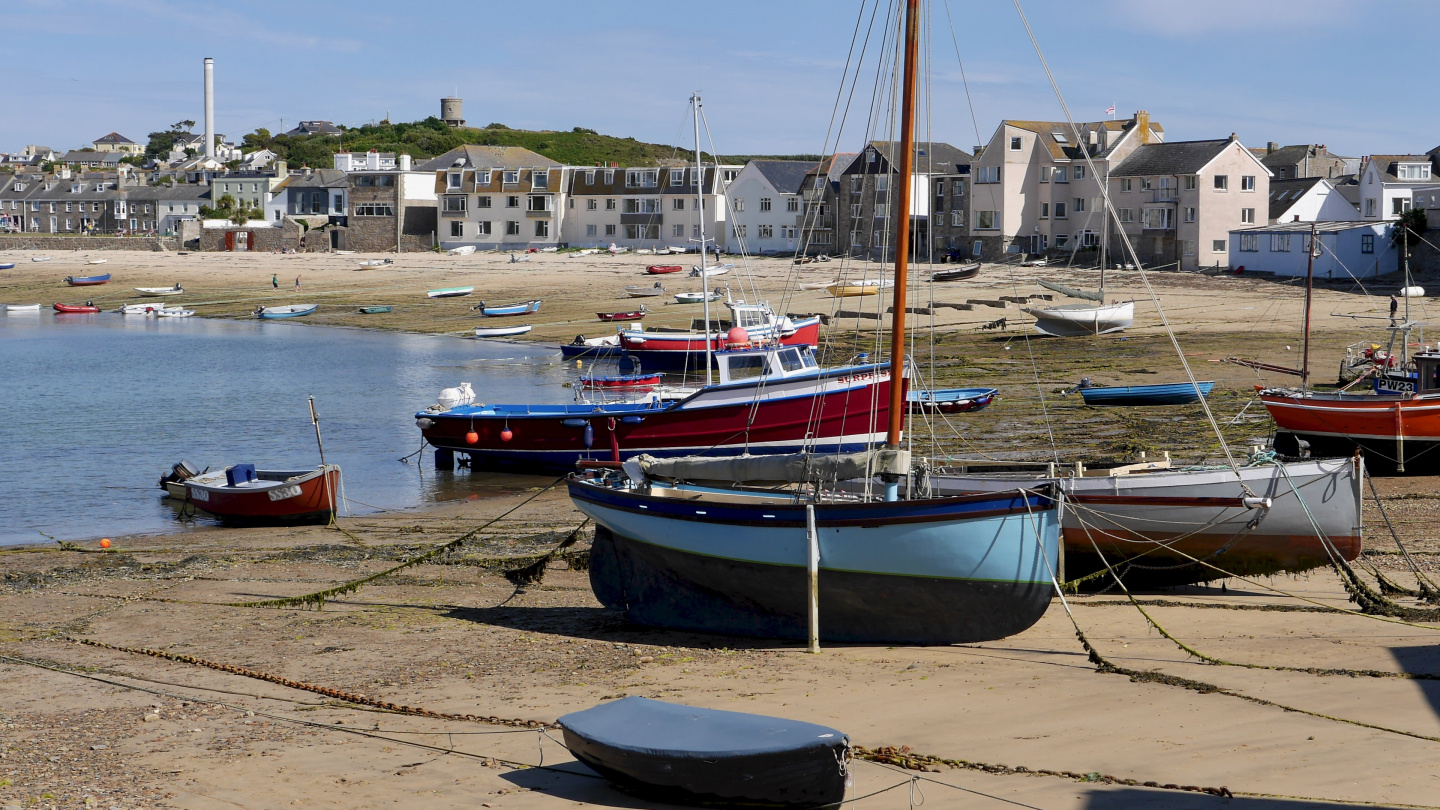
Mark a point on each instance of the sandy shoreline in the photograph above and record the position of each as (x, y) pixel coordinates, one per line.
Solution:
(456, 636)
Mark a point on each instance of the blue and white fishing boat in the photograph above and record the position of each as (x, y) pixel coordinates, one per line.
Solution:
(287, 311)
(509, 309)
(773, 546)
(1144, 395)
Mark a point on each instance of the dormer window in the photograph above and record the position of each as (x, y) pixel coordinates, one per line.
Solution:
(482, 178)
(454, 180)
(76, 188)
(609, 176)
(1413, 171)
(512, 176)
(590, 177)
(677, 177)
(539, 179)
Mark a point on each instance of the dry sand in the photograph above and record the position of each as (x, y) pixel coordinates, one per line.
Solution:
(460, 638)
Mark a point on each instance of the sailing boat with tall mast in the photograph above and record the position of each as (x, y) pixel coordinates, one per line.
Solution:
(735, 546)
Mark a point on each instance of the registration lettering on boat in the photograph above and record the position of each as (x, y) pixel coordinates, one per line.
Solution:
(281, 493)
(1395, 385)
(197, 494)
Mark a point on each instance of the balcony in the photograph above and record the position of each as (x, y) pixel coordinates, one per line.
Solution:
(1164, 195)
(655, 218)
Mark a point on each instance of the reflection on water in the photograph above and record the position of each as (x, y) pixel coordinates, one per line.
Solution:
(94, 408)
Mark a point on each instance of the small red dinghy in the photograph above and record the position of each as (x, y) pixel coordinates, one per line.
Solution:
(623, 316)
(629, 381)
(75, 309)
(244, 494)
(662, 269)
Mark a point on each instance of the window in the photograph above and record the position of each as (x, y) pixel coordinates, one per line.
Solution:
(590, 177)
(1016, 143)
(454, 182)
(1079, 206)
(592, 204)
(482, 202)
(1044, 210)
(512, 228)
(67, 207)
(957, 218)
(1367, 243)
(374, 210)
(1398, 205)
(677, 204)
(1189, 214)
(1247, 182)
(1249, 242)
(764, 231)
(764, 204)
(542, 228)
(339, 204)
(454, 203)
(740, 231)
(69, 224)
(642, 231)
(677, 230)
(792, 204)
(512, 201)
(984, 220)
(539, 180)
(1044, 174)
(1062, 239)
(1158, 219)
(645, 205)
(877, 238)
(1144, 184)
(457, 228)
(1060, 210)
(1079, 173)
(1370, 207)
(610, 230)
(540, 203)
(1191, 182)
(591, 230)
(609, 203)
(1222, 182)
(1126, 184)
(1060, 174)
(1127, 214)
(482, 228)
(1279, 243)
(1413, 171)
(1217, 246)
(958, 188)
(739, 203)
(677, 177)
(483, 178)
(1247, 216)
(511, 177)
(988, 174)
(609, 176)
(1187, 247)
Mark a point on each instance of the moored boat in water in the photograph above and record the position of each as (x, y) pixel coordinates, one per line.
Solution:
(672, 351)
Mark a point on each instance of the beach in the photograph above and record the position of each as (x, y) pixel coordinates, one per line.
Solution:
(437, 686)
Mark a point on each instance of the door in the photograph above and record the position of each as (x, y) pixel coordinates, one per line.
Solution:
(229, 240)
(242, 240)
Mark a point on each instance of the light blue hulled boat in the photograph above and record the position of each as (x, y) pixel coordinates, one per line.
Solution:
(1133, 395)
(734, 561)
(287, 311)
(509, 309)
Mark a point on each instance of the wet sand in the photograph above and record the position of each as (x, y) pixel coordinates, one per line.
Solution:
(458, 637)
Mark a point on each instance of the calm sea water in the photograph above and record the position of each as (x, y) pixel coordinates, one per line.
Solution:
(95, 408)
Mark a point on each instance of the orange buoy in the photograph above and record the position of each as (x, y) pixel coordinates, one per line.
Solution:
(472, 437)
(737, 335)
(506, 435)
(105, 542)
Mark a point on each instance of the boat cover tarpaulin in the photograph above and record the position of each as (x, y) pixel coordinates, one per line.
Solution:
(685, 754)
(793, 468)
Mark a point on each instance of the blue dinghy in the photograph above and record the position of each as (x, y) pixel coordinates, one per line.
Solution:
(508, 309)
(1166, 394)
(287, 311)
(687, 755)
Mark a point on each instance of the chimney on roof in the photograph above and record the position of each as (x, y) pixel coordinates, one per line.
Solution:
(1271, 147)
(614, 165)
(976, 149)
(1142, 123)
(404, 162)
(1234, 137)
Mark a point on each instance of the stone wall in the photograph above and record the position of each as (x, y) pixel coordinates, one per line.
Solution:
(42, 242)
(262, 239)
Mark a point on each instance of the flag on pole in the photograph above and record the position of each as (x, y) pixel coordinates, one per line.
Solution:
(1110, 110)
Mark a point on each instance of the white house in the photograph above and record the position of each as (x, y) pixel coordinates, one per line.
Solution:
(498, 198)
(1308, 199)
(767, 206)
(1387, 183)
(372, 161)
(647, 206)
(1348, 249)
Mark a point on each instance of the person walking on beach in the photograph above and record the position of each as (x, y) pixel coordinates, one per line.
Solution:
(297, 283)
(275, 281)
(1394, 308)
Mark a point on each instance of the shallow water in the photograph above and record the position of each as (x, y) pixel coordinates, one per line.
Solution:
(95, 408)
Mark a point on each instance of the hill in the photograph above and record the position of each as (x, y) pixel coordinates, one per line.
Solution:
(431, 137)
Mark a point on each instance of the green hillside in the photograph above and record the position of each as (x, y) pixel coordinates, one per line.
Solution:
(431, 137)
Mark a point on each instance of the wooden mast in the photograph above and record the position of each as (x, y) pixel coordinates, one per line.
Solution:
(902, 227)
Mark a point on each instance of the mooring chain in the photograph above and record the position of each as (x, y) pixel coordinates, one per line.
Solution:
(338, 694)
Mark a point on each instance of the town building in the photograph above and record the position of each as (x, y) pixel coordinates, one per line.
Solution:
(863, 206)
(315, 128)
(1304, 160)
(1387, 183)
(498, 198)
(250, 189)
(372, 161)
(389, 208)
(91, 159)
(768, 218)
(1309, 199)
(1178, 201)
(1037, 185)
(650, 206)
(1355, 249)
(310, 193)
(115, 142)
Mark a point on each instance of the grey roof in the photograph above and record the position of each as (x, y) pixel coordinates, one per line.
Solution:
(1348, 185)
(315, 128)
(787, 176)
(1332, 226)
(186, 192)
(1171, 157)
(1387, 165)
(114, 137)
(1293, 154)
(489, 157)
(77, 156)
(930, 156)
(319, 178)
(1284, 193)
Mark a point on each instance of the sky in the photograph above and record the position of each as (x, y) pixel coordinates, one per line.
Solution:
(1350, 74)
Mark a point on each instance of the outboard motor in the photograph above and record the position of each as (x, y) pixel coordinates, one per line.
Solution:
(180, 472)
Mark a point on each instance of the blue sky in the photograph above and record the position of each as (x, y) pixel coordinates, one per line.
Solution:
(1346, 73)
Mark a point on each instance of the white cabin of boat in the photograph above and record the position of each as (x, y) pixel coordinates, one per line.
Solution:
(773, 362)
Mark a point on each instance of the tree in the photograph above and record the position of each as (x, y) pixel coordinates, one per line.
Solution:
(161, 142)
(257, 140)
(1408, 228)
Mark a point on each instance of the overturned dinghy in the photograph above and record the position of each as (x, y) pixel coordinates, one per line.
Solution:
(687, 755)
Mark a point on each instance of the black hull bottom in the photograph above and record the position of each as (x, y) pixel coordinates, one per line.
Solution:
(1421, 457)
(666, 588)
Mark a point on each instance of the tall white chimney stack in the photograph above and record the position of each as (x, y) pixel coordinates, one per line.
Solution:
(209, 107)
